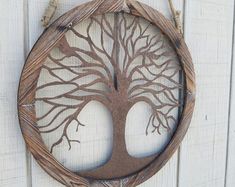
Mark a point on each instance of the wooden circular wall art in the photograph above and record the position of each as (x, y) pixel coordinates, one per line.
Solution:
(118, 53)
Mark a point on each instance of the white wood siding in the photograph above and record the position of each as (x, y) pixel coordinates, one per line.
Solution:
(208, 33)
(12, 149)
(207, 155)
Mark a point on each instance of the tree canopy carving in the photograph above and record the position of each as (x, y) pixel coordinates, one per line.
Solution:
(130, 61)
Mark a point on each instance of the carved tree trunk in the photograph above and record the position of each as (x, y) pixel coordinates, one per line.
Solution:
(121, 163)
(119, 152)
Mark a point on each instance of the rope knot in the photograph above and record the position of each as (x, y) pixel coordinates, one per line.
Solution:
(49, 13)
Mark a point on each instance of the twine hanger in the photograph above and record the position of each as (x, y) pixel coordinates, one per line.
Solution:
(49, 13)
(53, 4)
(176, 17)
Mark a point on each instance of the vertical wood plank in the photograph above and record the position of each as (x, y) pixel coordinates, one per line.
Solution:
(167, 177)
(230, 164)
(208, 32)
(12, 152)
(36, 9)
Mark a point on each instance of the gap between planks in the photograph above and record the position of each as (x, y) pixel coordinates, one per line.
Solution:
(179, 150)
(230, 97)
(26, 51)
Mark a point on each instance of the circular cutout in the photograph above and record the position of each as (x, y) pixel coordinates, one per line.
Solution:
(134, 59)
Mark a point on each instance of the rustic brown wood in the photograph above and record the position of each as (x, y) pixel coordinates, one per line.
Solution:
(54, 36)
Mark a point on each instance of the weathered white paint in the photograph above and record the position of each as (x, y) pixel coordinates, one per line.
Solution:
(201, 161)
(208, 33)
(12, 148)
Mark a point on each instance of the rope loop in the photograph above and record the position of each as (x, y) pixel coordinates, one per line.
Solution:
(53, 4)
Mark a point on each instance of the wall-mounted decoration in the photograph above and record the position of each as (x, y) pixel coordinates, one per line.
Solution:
(118, 54)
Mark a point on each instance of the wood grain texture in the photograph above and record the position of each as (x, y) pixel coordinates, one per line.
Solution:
(33, 66)
(12, 148)
(208, 32)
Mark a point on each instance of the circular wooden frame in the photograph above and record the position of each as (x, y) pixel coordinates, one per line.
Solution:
(31, 71)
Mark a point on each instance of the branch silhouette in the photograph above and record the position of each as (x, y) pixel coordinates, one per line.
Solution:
(137, 67)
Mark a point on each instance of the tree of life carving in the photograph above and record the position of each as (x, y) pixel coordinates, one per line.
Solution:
(130, 61)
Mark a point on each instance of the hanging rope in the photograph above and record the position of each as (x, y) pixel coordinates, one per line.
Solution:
(176, 16)
(50, 11)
